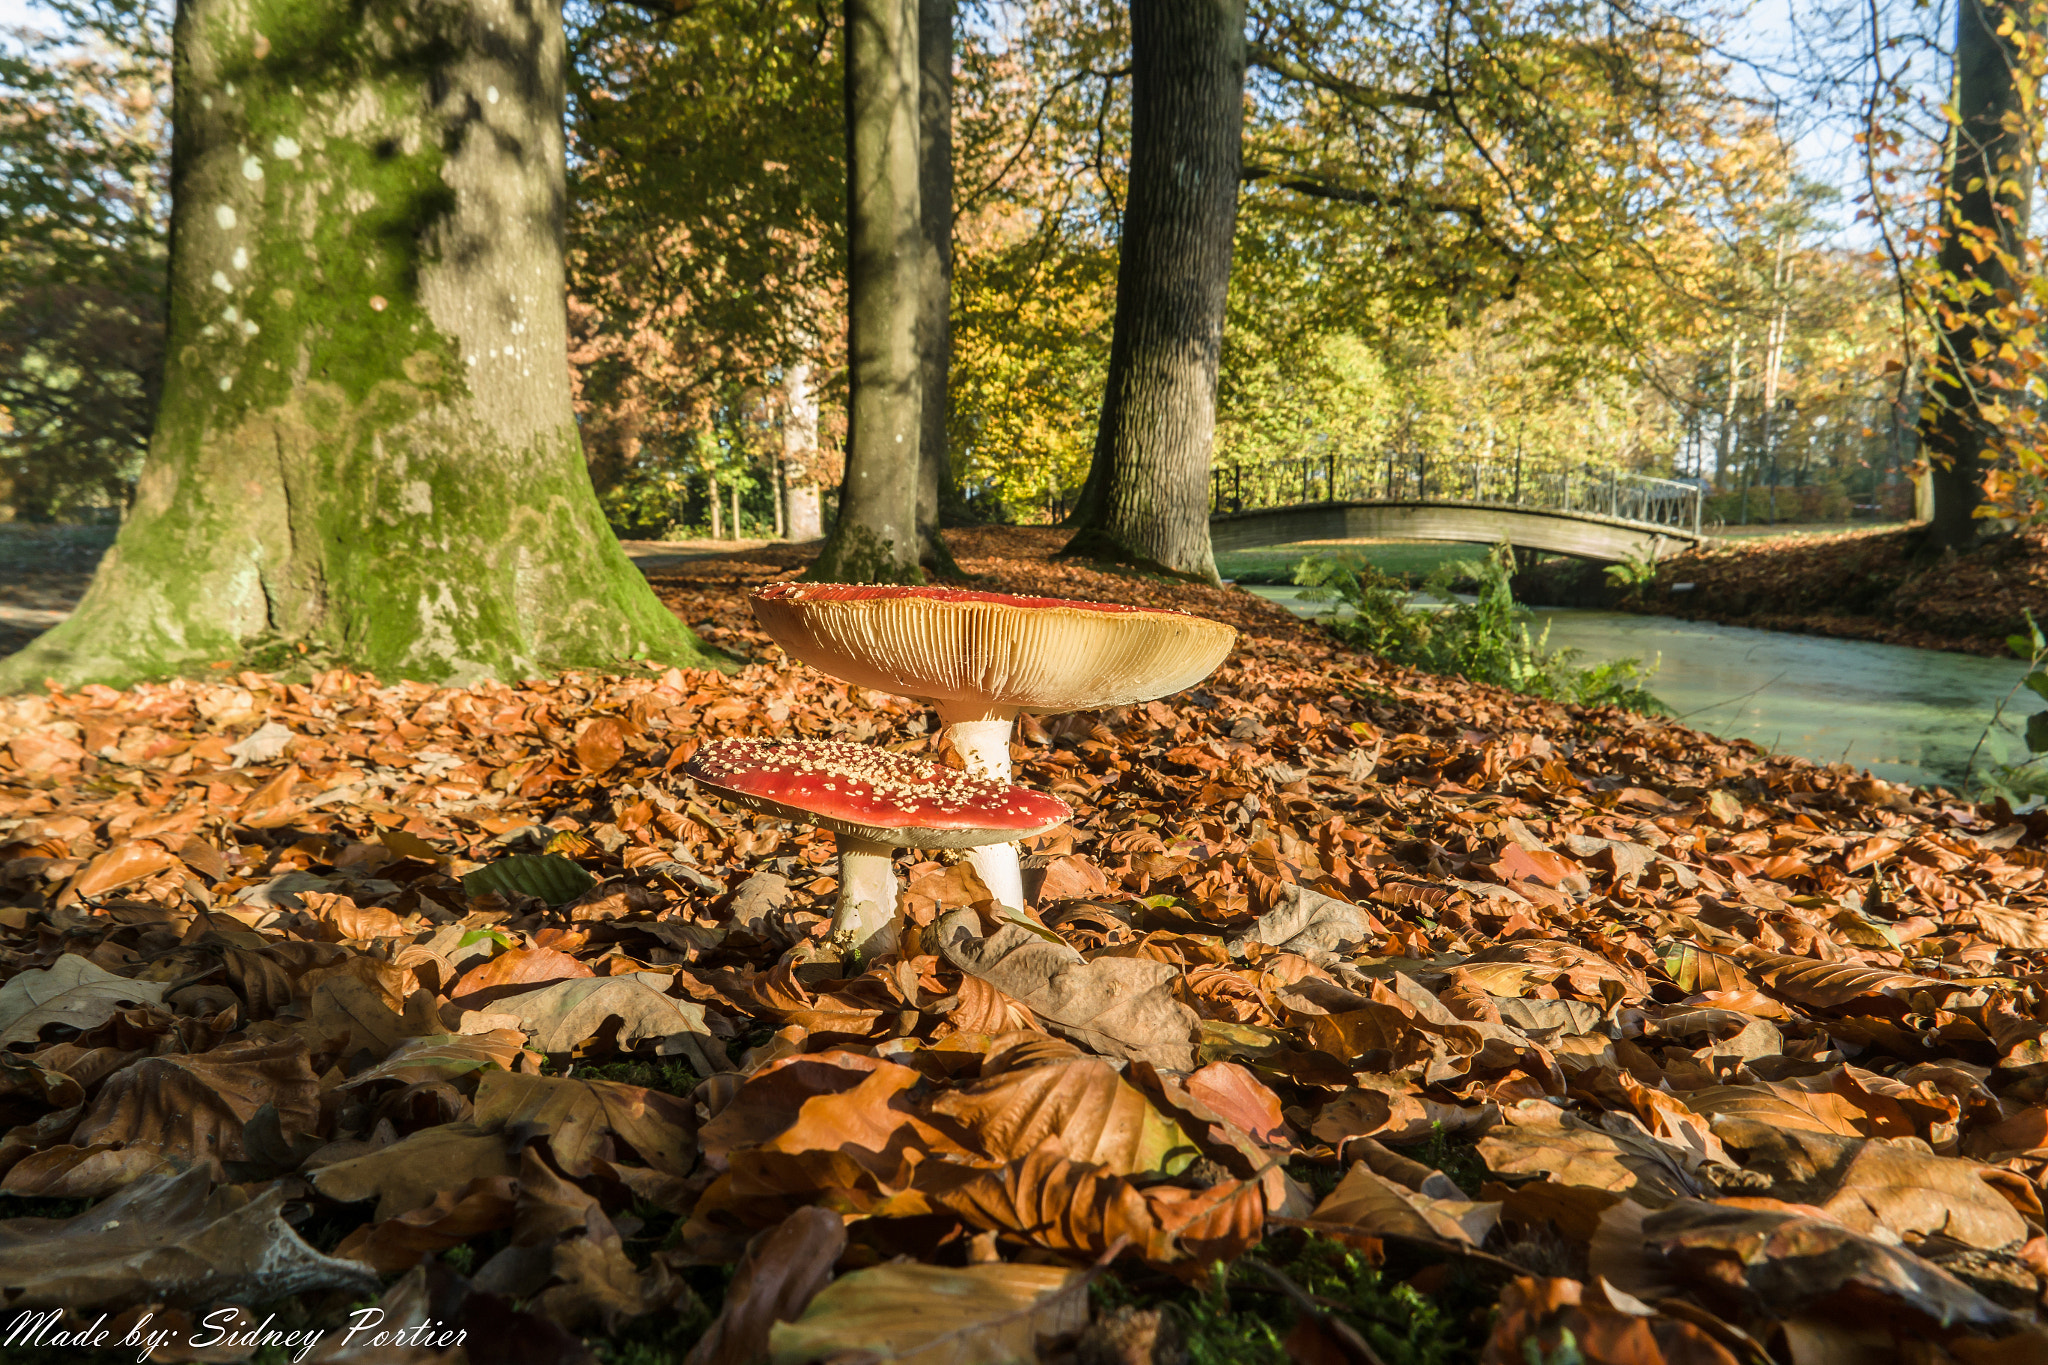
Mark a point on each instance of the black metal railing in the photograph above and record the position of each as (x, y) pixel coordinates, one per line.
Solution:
(1585, 490)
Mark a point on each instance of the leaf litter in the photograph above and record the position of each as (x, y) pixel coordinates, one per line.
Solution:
(1562, 1028)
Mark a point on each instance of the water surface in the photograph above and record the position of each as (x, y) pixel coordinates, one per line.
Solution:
(1909, 715)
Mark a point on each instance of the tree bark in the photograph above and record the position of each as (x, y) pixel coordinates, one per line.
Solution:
(717, 511)
(800, 451)
(1147, 497)
(365, 443)
(875, 538)
(1990, 189)
(935, 328)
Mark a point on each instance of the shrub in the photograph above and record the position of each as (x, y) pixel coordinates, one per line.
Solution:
(1486, 640)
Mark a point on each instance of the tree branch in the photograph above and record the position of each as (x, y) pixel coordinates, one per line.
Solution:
(1259, 55)
(1347, 194)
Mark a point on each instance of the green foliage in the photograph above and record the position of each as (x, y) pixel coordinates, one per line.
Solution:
(1632, 575)
(671, 1077)
(1486, 640)
(1240, 1318)
(1460, 1160)
(84, 209)
(2026, 779)
(550, 876)
(706, 248)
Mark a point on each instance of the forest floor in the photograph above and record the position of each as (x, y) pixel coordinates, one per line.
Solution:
(1422, 1022)
(1862, 585)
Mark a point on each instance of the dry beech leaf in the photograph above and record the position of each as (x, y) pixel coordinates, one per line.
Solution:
(781, 1273)
(1314, 925)
(1118, 1006)
(167, 1239)
(1099, 1118)
(455, 1215)
(192, 1108)
(562, 1015)
(1240, 1097)
(600, 743)
(1070, 1207)
(121, 865)
(1369, 1201)
(577, 1114)
(73, 992)
(518, 967)
(1831, 985)
(1789, 1261)
(1542, 1140)
(1879, 1186)
(410, 1172)
(934, 1315)
(443, 1056)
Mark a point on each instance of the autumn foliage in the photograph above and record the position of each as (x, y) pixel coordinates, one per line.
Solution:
(1727, 1056)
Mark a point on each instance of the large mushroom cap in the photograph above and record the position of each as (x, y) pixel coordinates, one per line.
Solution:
(1032, 653)
(872, 793)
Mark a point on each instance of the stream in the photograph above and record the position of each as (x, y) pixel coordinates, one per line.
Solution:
(1908, 715)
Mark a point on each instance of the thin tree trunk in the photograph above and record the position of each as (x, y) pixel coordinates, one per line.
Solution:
(1990, 191)
(800, 452)
(875, 537)
(737, 534)
(776, 487)
(1146, 499)
(1725, 456)
(935, 334)
(365, 442)
(1781, 281)
(711, 497)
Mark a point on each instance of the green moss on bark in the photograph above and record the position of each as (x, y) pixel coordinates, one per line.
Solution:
(856, 554)
(366, 442)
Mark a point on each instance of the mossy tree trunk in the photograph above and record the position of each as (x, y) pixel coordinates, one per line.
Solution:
(1147, 497)
(875, 539)
(935, 334)
(365, 443)
(1990, 193)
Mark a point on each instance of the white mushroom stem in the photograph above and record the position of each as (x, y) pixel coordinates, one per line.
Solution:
(980, 734)
(866, 918)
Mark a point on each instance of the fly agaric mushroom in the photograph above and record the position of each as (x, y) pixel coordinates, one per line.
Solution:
(874, 802)
(982, 657)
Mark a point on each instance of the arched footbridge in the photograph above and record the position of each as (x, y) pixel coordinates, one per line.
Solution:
(1598, 514)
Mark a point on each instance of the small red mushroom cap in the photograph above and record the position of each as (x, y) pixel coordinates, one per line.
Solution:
(872, 793)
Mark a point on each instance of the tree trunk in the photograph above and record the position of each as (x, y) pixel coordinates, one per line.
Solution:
(800, 451)
(875, 537)
(935, 327)
(1147, 497)
(1724, 458)
(775, 485)
(737, 534)
(717, 513)
(365, 443)
(1990, 189)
